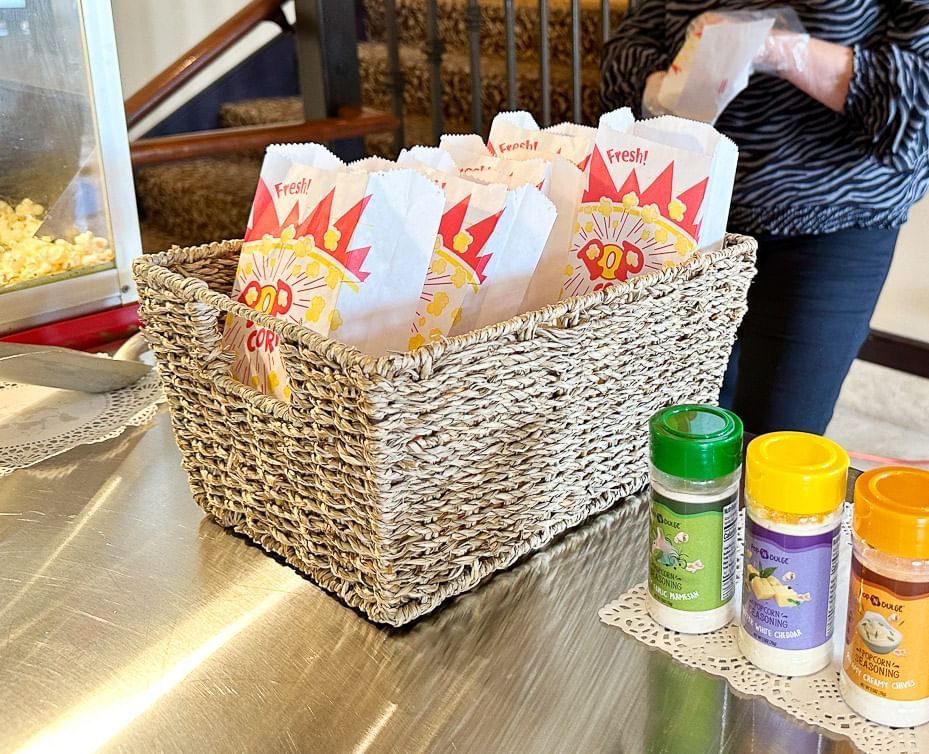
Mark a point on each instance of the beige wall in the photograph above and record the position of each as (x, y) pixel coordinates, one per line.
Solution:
(903, 308)
(150, 34)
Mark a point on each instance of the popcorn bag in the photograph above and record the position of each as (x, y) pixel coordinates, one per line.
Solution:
(333, 250)
(658, 190)
(515, 249)
(516, 135)
(512, 245)
(713, 66)
(560, 179)
(456, 271)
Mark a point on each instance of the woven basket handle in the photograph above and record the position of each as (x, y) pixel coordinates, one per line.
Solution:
(205, 307)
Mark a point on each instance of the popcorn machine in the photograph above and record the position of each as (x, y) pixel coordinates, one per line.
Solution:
(68, 219)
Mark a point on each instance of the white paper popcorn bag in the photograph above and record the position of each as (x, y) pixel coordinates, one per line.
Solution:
(463, 146)
(708, 145)
(343, 252)
(296, 253)
(564, 186)
(456, 271)
(516, 136)
(712, 67)
(432, 157)
(656, 193)
(514, 248)
(400, 224)
(575, 129)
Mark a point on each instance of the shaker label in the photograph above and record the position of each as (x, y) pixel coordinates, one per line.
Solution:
(692, 552)
(886, 652)
(788, 586)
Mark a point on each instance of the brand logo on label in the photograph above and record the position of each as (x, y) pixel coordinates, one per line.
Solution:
(876, 601)
(763, 552)
(667, 522)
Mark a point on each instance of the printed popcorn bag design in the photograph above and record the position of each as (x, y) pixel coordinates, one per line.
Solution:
(292, 269)
(558, 178)
(315, 253)
(456, 270)
(516, 136)
(656, 193)
(458, 263)
(515, 249)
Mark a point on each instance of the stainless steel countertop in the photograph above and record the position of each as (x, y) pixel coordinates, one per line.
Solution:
(131, 622)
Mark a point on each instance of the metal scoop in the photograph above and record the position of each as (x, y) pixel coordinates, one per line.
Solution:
(66, 369)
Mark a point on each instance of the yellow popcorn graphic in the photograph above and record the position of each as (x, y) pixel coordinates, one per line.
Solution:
(630, 200)
(435, 334)
(335, 320)
(273, 380)
(301, 248)
(331, 239)
(661, 235)
(683, 245)
(462, 241)
(605, 207)
(251, 297)
(588, 227)
(416, 341)
(646, 234)
(568, 270)
(315, 309)
(312, 269)
(459, 277)
(438, 266)
(650, 213)
(676, 210)
(333, 278)
(438, 304)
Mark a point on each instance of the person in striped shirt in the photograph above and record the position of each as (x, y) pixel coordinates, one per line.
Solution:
(833, 150)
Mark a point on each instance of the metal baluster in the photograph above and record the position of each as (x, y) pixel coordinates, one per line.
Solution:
(395, 79)
(434, 51)
(545, 72)
(473, 22)
(576, 59)
(605, 20)
(509, 21)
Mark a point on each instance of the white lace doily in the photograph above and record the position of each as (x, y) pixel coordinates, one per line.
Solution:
(814, 699)
(37, 423)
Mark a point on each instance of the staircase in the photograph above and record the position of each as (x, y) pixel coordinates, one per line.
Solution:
(208, 199)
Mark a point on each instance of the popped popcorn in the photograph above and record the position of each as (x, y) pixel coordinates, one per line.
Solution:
(24, 256)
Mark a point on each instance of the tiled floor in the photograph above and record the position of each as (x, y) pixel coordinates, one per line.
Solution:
(882, 412)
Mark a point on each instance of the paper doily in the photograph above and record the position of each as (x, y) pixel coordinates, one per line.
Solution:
(37, 423)
(813, 699)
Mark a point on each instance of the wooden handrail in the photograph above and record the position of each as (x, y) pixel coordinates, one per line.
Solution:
(197, 57)
(350, 123)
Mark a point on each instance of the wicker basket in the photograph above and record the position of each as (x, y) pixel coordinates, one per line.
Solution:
(397, 482)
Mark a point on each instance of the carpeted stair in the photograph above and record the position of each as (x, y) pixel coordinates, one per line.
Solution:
(208, 199)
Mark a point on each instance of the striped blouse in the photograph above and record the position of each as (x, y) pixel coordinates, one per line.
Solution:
(802, 167)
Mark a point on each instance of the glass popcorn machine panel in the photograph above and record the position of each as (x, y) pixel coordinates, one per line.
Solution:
(68, 222)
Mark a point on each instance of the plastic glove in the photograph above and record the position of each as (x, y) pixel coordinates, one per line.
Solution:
(785, 48)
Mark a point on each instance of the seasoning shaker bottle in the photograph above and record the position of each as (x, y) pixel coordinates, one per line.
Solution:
(885, 668)
(795, 485)
(696, 464)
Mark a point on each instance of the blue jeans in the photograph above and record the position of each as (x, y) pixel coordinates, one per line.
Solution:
(809, 311)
